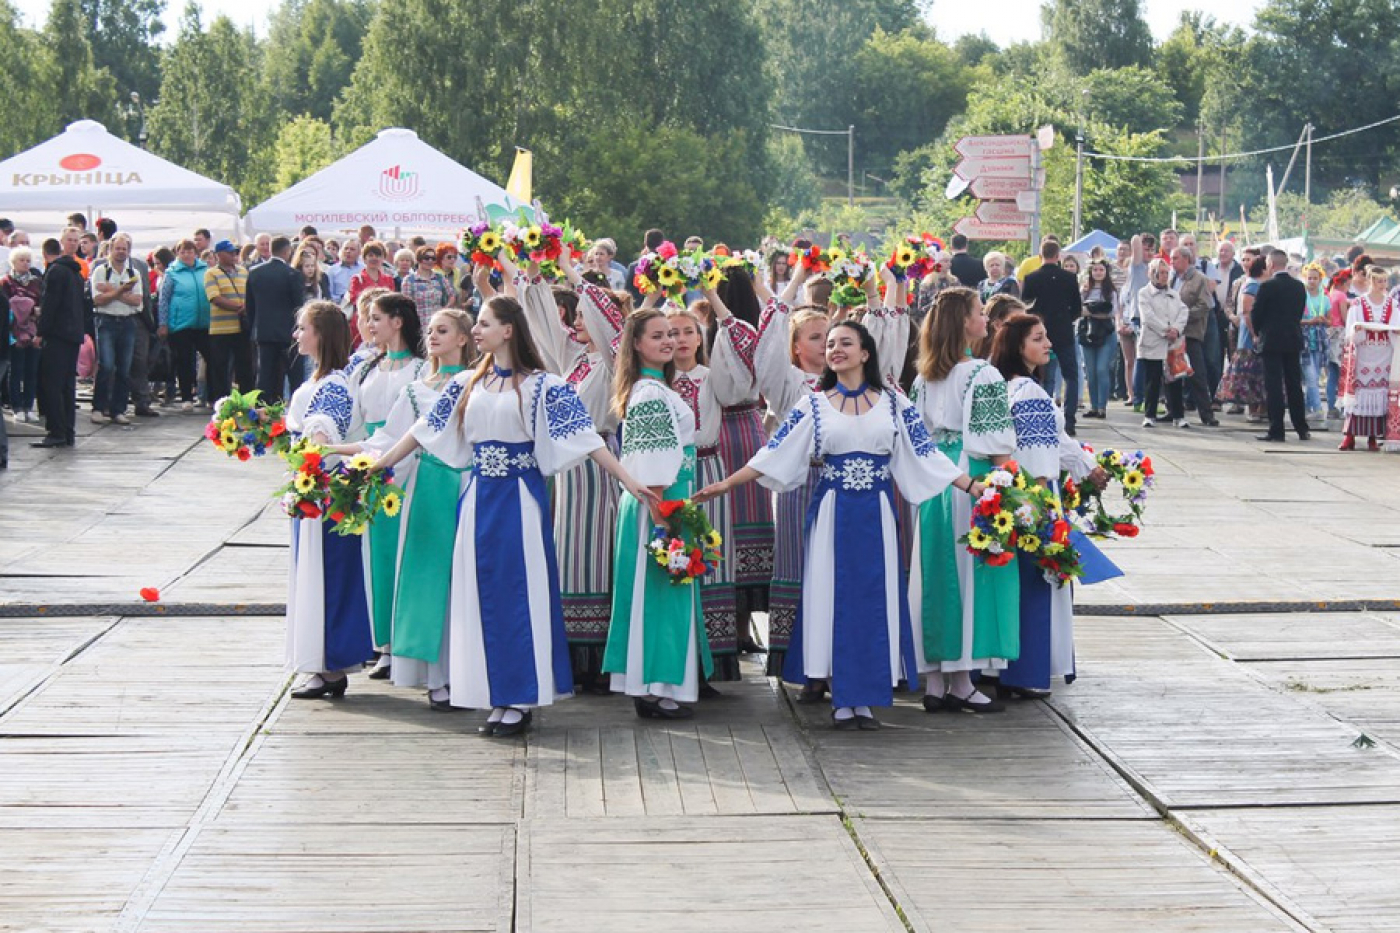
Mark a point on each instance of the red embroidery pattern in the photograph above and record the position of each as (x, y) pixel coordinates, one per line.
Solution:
(689, 391)
(580, 371)
(743, 338)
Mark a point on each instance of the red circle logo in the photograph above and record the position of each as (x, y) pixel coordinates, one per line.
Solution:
(79, 162)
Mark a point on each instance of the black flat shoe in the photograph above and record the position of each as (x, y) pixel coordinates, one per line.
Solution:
(1269, 439)
(814, 692)
(958, 704)
(441, 706)
(328, 688)
(867, 723)
(505, 729)
(749, 646)
(49, 442)
(380, 673)
(1024, 693)
(147, 413)
(652, 709)
(933, 704)
(843, 725)
(708, 692)
(1304, 435)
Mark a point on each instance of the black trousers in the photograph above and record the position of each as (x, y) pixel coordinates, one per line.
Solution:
(273, 370)
(185, 346)
(58, 388)
(1152, 374)
(1283, 381)
(1200, 391)
(230, 364)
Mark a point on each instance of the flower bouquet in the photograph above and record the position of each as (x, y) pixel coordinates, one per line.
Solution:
(1134, 473)
(689, 548)
(1008, 511)
(749, 260)
(672, 273)
(815, 259)
(242, 428)
(572, 246)
(350, 494)
(848, 275)
(1051, 543)
(915, 256)
(480, 242)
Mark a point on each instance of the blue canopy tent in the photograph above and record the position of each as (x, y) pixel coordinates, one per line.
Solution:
(1088, 241)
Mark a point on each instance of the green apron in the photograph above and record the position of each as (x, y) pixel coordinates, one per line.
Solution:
(425, 573)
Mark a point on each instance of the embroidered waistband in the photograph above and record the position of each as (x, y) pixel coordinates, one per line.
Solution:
(501, 460)
(742, 409)
(856, 472)
(701, 452)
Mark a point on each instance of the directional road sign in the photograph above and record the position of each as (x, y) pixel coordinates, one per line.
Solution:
(974, 229)
(993, 147)
(1015, 167)
(1002, 212)
(999, 189)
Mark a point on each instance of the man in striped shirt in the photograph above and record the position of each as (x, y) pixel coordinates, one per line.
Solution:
(230, 346)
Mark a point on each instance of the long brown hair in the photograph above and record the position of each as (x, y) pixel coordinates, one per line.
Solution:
(463, 322)
(628, 368)
(332, 335)
(943, 334)
(525, 358)
(1006, 346)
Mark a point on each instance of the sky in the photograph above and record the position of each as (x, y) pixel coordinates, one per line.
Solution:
(1005, 21)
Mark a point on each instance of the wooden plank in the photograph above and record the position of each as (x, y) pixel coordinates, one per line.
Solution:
(727, 782)
(547, 758)
(1049, 876)
(1285, 636)
(660, 788)
(804, 782)
(622, 785)
(584, 776)
(762, 776)
(697, 793)
(749, 874)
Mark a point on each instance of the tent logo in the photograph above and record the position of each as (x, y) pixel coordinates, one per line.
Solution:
(395, 184)
(79, 162)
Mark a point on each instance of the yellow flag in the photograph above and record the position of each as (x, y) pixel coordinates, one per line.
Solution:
(519, 185)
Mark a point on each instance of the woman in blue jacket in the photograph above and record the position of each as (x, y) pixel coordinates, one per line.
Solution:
(184, 317)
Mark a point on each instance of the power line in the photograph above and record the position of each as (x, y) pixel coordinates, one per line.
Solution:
(798, 129)
(1238, 155)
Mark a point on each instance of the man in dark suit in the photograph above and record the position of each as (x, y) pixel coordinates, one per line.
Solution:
(1277, 318)
(61, 328)
(966, 269)
(274, 295)
(1054, 297)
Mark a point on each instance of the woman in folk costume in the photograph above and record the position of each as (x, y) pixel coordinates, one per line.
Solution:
(1043, 450)
(577, 330)
(705, 390)
(1368, 362)
(741, 435)
(395, 331)
(788, 364)
(854, 631)
(429, 516)
(328, 629)
(966, 613)
(514, 424)
(657, 652)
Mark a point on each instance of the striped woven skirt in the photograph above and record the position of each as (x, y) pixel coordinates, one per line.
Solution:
(717, 588)
(740, 437)
(785, 588)
(585, 526)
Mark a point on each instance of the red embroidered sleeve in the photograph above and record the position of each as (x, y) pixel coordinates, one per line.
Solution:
(743, 338)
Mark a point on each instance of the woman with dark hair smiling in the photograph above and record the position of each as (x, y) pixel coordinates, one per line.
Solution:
(1043, 449)
(854, 627)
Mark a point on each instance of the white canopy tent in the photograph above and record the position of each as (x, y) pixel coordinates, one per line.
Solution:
(86, 169)
(396, 183)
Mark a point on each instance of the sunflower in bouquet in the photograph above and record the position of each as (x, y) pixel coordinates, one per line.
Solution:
(480, 242)
(359, 494)
(1004, 515)
(305, 494)
(243, 427)
(673, 273)
(915, 256)
(687, 547)
(848, 275)
(1050, 544)
(1135, 476)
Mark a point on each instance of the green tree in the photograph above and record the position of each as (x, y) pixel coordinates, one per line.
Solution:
(210, 118)
(311, 50)
(795, 186)
(303, 147)
(906, 87)
(124, 36)
(976, 50)
(1092, 34)
(75, 88)
(20, 49)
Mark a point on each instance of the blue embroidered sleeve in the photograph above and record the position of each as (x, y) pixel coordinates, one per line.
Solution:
(565, 413)
(919, 437)
(447, 401)
(1035, 423)
(333, 401)
(793, 419)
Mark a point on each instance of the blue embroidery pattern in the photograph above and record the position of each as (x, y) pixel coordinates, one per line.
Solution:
(333, 400)
(1035, 423)
(501, 461)
(857, 474)
(793, 419)
(565, 413)
(918, 432)
(437, 418)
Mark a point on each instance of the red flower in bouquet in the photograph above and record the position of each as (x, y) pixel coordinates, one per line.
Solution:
(311, 462)
(244, 454)
(670, 507)
(309, 509)
(1146, 467)
(1126, 530)
(279, 427)
(1061, 533)
(667, 250)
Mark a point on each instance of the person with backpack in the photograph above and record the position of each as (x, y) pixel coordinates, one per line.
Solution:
(20, 292)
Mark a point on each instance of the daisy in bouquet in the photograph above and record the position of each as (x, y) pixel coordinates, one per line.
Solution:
(538, 243)
(243, 428)
(1007, 511)
(749, 260)
(848, 275)
(690, 547)
(673, 273)
(1135, 476)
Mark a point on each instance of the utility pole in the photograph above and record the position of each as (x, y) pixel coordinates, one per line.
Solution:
(1223, 150)
(1200, 171)
(1079, 169)
(851, 166)
(1307, 168)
